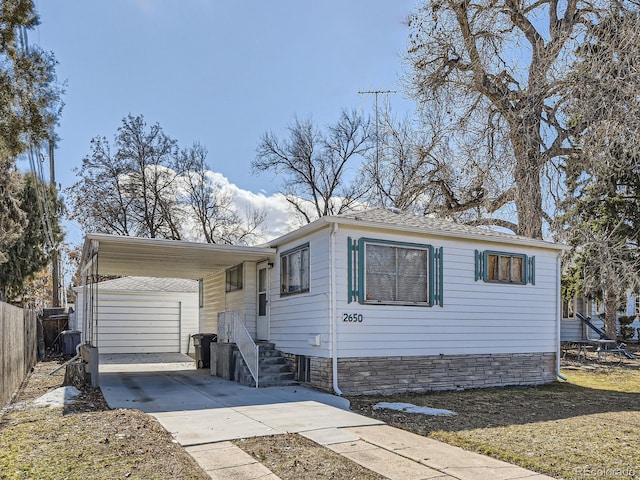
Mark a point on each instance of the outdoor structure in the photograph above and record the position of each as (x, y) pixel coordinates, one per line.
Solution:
(144, 314)
(574, 330)
(370, 302)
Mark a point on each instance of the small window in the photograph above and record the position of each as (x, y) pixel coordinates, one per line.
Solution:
(294, 271)
(233, 279)
(504, 267)
(200, 292)
(303, 368)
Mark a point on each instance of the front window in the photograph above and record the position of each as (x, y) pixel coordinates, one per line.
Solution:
(396, 274)
(294, 271)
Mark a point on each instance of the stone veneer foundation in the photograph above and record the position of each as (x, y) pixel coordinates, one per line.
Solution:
(389, 375)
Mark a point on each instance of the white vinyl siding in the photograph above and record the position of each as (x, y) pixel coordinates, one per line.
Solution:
(295, 318)
(127, 325)
(244, 301)
(476, 317)
(216, 300)
(213, 302)
(144, 322)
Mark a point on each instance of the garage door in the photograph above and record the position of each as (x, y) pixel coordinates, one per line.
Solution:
(138, 325)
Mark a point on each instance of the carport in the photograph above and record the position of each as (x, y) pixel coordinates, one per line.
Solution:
(114, 255)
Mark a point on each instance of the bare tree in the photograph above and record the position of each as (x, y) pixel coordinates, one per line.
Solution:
(405, 164)
(602, 211)
(505, 70)
(132, 191)
(216, 217)
(149, 187)
(149, 180)
(99, 201)
(315, 164)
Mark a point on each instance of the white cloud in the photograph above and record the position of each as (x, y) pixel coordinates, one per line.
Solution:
(279, 218)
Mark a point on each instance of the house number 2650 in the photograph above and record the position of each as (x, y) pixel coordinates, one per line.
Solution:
(352, 317)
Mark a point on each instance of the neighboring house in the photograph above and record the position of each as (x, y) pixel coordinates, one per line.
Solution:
(574, 330)
(143, 315)
(377, 301)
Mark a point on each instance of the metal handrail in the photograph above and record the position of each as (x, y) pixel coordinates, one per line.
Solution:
(233, 329)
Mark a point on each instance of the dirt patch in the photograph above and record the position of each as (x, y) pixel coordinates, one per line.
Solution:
(294, 457)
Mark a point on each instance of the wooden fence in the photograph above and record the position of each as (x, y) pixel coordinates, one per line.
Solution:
(18, 348)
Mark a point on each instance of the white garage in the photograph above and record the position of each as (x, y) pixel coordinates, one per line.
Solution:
(144, 314)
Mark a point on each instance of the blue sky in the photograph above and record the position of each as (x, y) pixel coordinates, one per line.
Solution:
(218, 72)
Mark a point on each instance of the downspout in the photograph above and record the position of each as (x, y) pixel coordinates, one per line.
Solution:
(71, 360)
(332, 311)
(559, 315)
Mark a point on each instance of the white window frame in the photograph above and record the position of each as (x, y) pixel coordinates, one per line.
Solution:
(232, 284)
(398, 246)
(303, 274)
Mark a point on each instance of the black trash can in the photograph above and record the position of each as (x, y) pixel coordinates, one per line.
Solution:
(202, 344)
(70, 340)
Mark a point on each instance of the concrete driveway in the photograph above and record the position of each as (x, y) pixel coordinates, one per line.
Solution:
(198, 408)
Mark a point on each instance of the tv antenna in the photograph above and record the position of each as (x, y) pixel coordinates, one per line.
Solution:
(377, 93)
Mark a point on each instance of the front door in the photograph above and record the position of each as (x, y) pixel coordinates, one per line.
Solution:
(262, 332)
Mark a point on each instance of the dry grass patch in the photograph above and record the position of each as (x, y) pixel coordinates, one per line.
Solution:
(85, 440)
(589, 426)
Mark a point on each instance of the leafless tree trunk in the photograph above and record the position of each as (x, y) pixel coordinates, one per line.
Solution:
(506, 65)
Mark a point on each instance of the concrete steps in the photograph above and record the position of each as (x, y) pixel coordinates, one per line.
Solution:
(273, 371)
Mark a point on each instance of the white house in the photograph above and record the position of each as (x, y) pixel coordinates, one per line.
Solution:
(143, 314)
(377, 301)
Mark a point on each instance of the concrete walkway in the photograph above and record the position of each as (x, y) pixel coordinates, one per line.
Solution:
(204, 413)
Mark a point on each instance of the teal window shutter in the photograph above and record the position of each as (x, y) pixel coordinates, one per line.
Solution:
(438, 277)
(352, 270)
(532, 270)
(479, 262)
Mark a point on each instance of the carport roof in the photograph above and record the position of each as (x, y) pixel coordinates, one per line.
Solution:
(154, 257)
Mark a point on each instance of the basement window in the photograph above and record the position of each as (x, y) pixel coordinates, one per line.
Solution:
(303, 368)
